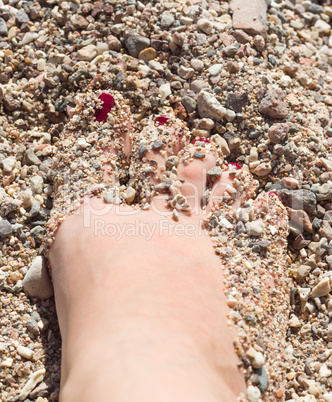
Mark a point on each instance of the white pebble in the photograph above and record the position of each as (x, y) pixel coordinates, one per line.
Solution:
(25, 352)
(215, 69)
(205, 25)
(7, 363)
(322, 288)
(81, 142)
(130, 194)
(324, 372)
(34, 379)
(253, 394)
(225, 223)
(29, 37)
(8, 164)
(165, 91)
(255, 228)
(256, 358)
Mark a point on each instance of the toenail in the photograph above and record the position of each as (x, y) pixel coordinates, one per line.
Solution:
(107, 104)
(200, 139)
(275, 193)
(238, 167)
(161, 120)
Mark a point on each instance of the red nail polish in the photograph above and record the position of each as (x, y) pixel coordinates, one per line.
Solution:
(275, 193)
(238, 167)
(107, 104)
(201, 139)
(161, 120)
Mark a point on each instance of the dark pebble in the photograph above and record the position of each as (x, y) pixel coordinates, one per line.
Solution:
(198, 155)
(157, 145)
(263, 380)
(5, 228)
(299, 199)
(142, 150)
(237, 101)
(316, 223)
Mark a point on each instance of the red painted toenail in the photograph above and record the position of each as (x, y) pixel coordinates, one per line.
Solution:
(201, 139)
(161, 120)
(107, 103)
(238, 167)
(275, 193)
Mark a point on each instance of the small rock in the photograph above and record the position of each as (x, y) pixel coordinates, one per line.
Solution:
(8, 164)
(164, 91)
(322, 26)
(34, 379)
(25, 352)
(87, 53)
(114, 43)
(263, 380)
(36, 282)
(171, 162)
(22, 17)
(263, 169)
(29, 37)
(326, 230)
(10, 103)
(237, 102)
(142, 150)
(3, 27)
(189, 104)
(278, 132)
(130, 194)
(198, 155)
(215, 172)
(322, 288)
(222, 143)
(299, 199)
(208, 106)
(32, 158)
(199, 85)
(294, 322)
(257, 359)
(5, 228)
(37, 183)
(215, 69)
(255, 228)
(147, 54)
(205, 25)
(197, 64)
(135, 43)
(272, 105)
(185, 72)
(259, 42)
(253, 394)
(167, 20)
(78, 21)
(301, 219)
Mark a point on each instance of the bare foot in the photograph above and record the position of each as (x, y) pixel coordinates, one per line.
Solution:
(139, 291)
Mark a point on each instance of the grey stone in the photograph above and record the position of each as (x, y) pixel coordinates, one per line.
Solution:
(157, 145)
(278, 132)
(299, 199)
(22, 17)
(32, 158)
(3, 27)
(142, 150)
(208, 106)
(189, 104)
(135, 43)
(198, 155)
(37, 282)
(5, 228)
(237, 102)
(315, 9)
(272, 105)
(167, 20)
(263, 380)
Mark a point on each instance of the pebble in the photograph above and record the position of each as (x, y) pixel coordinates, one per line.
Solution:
(37, 184)
(197, 64)
(36, 282)
(263, 380)
(208, 106)
(256, 358)
(130, 194)
(255, 228)
(205, 25)
(189, 104)
(3, 27)
(278, 132)
(198, 155)
(165, 91)
(299, 199)
(29, 37)
(147, 54)
(253, 394)
(135, 43)
(34, 379)
(272, 105)
(87, 53)
(263, 169)
(167, 20)
(112, 197)
(322, 288)
(222, 143)
(237, 101)
(5, 228)
(8, 164)
(25, 352)
(215, 69)
(185, 72)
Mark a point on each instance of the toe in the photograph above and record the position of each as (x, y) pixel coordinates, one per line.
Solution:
(195, 162)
